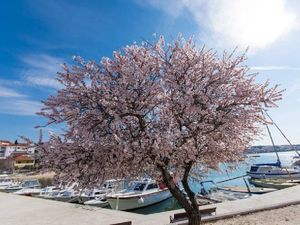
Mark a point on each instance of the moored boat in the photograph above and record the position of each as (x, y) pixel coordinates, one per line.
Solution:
(28, 191)
(97, 202)
(252, 190)
(5, 181)
(141, 194)
(273, 171)
(274, 183)
(107, 187)
(49, 192)
(23, 185)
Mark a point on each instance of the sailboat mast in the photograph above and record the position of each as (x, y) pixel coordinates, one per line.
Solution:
(275, 150)
(282, 133)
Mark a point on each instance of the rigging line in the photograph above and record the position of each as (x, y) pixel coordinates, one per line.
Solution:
(281, 132)
(270, 135)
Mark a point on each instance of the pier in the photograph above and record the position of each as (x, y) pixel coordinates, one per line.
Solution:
(15, 210)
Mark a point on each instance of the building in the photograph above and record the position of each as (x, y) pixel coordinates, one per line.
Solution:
(23, 162)
(15, 156)
(8, 148)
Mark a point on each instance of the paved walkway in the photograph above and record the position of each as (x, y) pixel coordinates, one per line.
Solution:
(16, 210)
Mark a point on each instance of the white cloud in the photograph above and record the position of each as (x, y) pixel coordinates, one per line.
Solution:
(22, 107)
(9, 92)
(38, 70)
(41, 70)
(243, 23)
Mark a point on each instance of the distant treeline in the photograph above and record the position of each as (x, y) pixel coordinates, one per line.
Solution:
(270, 148)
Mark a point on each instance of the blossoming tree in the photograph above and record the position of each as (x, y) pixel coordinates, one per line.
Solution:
(154, 108)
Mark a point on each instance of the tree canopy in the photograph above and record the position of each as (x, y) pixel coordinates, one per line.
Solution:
(153, 107)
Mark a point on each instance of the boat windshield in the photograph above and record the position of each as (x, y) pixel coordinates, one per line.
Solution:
(139, 186)
(30, 183)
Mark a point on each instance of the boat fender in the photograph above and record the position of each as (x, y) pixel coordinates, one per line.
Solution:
(141, 200)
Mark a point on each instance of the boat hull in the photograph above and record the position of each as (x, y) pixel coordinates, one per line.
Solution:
(138, 201)
(272, 184)
(97, 203)
(295, 175)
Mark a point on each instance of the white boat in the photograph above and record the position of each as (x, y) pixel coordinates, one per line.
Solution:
(273, 171)
(70, 194)
(23, 185)
(142, 193)
(28, 191)
(274, 183)
(5, 181)
(99, 202)
(49, 192)
(107, 187)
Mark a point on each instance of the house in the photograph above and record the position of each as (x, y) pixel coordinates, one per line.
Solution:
(7, 148)
(23, 162)
(15, 156)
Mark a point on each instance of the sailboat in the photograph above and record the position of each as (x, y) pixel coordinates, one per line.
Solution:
(274, 170)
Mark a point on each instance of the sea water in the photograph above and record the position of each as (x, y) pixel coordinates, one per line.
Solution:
(225, 172)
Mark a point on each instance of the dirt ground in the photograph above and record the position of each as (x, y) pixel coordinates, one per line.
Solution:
(284, 216)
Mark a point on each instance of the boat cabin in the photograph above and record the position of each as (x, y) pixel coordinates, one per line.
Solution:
(5, 180)
(265, 167)
(144, 186)
(30, 183)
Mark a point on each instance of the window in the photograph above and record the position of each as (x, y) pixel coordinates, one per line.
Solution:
(152, 186)
(2, 151)
(139, 187)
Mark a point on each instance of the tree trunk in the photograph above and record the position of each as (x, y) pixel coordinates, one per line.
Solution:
(190, 206)
(194, 217)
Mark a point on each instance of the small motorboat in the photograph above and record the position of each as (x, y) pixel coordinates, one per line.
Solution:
(97, 202)
(70, 194)
(26, 184)
(215, 194)
(49, 192)
(274, 183)
(28, 191)
(141, 193)
(252, 190)
(107, 187)
(5, 181)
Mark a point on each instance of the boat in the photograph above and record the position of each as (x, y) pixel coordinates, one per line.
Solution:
(218, 195)
(211, 192)
(274, 183)
(49, 192)
(252, 190)
(5, 181)
(141, 194)
(23, 185)
(28, 191)
(99, 202)
(273, 171)
(107, 187)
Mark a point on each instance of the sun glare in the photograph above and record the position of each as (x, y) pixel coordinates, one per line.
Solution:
(255, 23)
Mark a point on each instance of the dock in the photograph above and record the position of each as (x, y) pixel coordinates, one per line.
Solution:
(15, 210)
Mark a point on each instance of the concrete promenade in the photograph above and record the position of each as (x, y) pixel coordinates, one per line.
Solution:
(17, 210)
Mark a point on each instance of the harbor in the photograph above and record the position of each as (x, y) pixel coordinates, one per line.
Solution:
(230, 193)
(17, 210)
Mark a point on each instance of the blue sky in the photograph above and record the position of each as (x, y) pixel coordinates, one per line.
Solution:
(37, 36)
